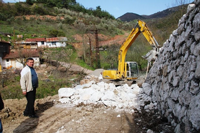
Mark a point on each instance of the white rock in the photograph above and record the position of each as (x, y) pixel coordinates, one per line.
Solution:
(121, 97)
(109, 96)
(118, 115)
(149, 131)
(65, 92)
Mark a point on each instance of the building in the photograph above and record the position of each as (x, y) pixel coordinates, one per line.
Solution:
(17, 58)
(4, 49)
(36, 42)
(56, 42)
(53, 42)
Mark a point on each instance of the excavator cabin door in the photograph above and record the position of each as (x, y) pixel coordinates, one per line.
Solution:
(131, 70)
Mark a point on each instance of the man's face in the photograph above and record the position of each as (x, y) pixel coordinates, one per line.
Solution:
(30, 63)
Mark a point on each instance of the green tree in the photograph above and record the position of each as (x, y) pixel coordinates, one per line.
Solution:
(98, 8)
(39, 10)
(111, 56)
(60, 3)
(56, 33)
(30, 2)
(21, 10)
(41, 1)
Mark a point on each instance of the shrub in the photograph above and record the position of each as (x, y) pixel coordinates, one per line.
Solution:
(69, 20)
(56, 33)
(2, 16)
(21, 10)
(60, 25)
(10, 20)
(39, 10)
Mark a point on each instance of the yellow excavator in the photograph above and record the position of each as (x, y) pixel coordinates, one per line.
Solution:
(129, 70)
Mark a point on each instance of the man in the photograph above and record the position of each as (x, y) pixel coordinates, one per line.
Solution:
(29, 83)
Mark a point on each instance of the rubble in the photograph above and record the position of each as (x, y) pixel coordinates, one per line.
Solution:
(121, 97)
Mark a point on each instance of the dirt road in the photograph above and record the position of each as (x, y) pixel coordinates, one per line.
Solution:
(55, 117)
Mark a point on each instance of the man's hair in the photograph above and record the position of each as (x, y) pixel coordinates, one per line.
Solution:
(28, 59)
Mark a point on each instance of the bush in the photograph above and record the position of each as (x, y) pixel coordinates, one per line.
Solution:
(39, 10)
(69, 20)
(56, 33)
(13, 91)
(3, 16)
(21, 10)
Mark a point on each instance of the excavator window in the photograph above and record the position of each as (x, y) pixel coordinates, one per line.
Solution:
(134, 69)
(127, 69)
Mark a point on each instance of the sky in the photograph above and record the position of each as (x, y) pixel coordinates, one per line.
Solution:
(118, 8)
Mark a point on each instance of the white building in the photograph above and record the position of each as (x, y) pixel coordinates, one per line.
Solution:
(56, 42)
(17, 59)
(53, 42)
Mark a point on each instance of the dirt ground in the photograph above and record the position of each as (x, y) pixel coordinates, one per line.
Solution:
(55, 117)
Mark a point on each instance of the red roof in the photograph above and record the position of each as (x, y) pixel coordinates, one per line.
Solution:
(35, 39)
(53, 39)
(4, 42)
(22, 53)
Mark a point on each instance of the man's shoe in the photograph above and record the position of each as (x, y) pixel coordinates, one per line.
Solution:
(33, 116)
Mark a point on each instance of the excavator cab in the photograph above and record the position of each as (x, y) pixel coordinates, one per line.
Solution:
(131, 70)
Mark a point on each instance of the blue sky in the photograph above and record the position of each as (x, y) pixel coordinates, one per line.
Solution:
(118, 8)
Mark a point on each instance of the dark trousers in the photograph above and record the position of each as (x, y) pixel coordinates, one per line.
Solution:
(1, 127)
(30, 97)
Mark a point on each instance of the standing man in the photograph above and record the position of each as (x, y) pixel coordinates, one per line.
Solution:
(29, 83)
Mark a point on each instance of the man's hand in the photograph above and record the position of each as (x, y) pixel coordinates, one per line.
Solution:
(24, 93)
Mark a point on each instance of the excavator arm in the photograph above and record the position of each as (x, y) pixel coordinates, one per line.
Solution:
(141, 27)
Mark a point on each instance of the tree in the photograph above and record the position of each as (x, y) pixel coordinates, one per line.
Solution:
(39, 10)
(135, 53)
(111, 56)
(56, 33)
(98, 8)
(60, 3)
(21, 10)
(30, 2)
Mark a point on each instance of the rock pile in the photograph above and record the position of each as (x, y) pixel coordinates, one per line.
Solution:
(124, 97)
(175, 76)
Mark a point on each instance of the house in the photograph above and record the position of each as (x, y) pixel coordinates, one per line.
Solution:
(16, 59)
(37, 42)
(43, 42)
(56, 42)
(4, 49)
(27, 44)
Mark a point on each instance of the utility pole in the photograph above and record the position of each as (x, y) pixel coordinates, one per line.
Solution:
(91, 63)
(98, 64)
(97, 49)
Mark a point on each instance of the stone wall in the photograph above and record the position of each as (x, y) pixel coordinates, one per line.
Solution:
(175, 75)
